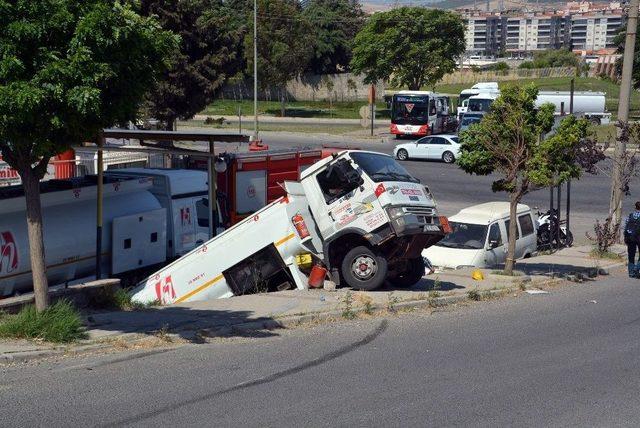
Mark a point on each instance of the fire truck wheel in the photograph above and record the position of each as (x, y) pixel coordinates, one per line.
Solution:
(412, 273)
(362, 269)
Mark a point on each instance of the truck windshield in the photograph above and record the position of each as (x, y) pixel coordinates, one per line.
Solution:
(382, 167)
(466, 236)
(480, 104)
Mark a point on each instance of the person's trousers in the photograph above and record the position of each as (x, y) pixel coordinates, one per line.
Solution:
(634, 266)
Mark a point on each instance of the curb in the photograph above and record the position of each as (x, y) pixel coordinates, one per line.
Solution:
(254, 327)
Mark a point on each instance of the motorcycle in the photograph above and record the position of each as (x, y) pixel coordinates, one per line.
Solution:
(548, 231)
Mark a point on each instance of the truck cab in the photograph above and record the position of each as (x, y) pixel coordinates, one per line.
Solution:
(373, 216)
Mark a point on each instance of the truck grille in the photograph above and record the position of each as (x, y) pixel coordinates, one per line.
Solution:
(420, 211)
(424, 215)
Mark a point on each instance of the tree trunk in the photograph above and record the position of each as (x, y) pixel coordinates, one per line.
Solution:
(513, 227)
(31, 185)
(282, 103)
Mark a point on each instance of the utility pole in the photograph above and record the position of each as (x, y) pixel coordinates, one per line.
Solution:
(255, 69)
(615, 205)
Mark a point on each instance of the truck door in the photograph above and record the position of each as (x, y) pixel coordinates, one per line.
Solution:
(496, 246)
(337, 204)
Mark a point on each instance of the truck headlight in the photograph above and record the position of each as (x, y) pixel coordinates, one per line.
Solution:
(394, 213)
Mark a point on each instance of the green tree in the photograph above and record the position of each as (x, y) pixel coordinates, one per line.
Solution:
(552, 58)
(408, 46)
(619, 41)
(210, 52)
(285, 44)
(509, 141)
(67, 70)
(335, 24)
(500, 66)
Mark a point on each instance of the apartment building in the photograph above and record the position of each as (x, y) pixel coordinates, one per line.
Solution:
(594, 31)
(484, 34)
(522, 33)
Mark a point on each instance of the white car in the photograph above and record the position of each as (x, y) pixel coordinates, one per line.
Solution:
(480, 237)
(443, 147)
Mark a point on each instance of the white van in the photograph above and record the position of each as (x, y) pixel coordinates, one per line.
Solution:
(479, 237)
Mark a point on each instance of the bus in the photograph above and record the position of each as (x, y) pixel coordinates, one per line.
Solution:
(419, 113)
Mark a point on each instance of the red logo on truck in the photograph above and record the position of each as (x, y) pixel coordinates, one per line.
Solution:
(164, 291)
(8, 253)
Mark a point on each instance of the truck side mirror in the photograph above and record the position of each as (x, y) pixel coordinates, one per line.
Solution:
(493, 244)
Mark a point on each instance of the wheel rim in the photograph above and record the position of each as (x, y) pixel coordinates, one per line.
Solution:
(402, 155)
(364, 267)
(448, 157)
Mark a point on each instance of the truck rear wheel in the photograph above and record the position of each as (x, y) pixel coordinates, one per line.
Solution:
(412, 273)
(362, 269)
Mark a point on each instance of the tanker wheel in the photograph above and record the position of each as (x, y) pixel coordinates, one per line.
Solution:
(414, 271)
(363, 269)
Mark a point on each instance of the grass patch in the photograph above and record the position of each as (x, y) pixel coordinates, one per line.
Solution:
(503, 273)
(474, 295)
(605, 255)
(59, 323)
(319, 109)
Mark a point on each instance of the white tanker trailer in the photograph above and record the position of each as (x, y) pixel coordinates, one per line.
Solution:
(589, 104)
(147, 220)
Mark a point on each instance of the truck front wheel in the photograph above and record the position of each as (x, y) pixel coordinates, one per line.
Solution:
(362, 269)
(412, 273)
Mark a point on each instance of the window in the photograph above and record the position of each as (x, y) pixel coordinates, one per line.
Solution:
(495, 235)
(506, 225)
(439, 140)
(202, 211)
(526, 224)
(334, 185)
(381, 167)
(465, 236)
(425, 140)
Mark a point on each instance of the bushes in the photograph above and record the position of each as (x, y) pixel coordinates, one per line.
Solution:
(60, 322)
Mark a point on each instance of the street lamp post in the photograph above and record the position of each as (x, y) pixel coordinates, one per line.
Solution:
(255, 69)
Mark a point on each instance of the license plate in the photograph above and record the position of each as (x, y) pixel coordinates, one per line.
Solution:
(431, 228)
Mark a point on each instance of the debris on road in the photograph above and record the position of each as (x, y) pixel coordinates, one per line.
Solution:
(536, 291)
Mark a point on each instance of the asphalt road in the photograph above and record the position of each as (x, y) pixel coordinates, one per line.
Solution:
(455, 189)
(569, 358)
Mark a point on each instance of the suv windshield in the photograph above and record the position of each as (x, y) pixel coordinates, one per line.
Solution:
(465, 235)
(382, 167)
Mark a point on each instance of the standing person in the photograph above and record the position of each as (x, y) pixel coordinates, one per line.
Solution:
(632, 239)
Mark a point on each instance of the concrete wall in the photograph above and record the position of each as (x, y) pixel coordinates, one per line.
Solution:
(346, 87)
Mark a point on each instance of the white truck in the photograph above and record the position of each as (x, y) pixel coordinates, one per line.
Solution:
(359, 215)
(478, 88)
(150, 216)
(590, 105)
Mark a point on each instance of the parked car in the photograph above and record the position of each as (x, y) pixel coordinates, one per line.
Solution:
(469, 119)
(444, 147)
(480, 237)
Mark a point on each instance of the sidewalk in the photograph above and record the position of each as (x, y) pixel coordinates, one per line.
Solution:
(258, 314)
